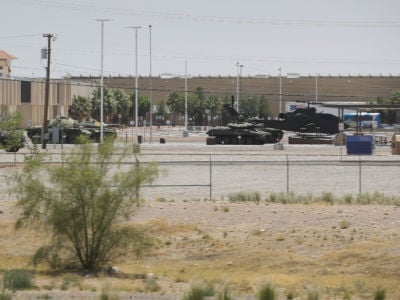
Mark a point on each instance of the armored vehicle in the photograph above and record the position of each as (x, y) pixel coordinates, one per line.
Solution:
(64, 130)
(306, 120)
(249, 131)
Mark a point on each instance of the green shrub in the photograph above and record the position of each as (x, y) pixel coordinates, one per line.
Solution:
(5, 296)
(328, 197)
(224, 294)
(344, 224)
(290, 294)
(199, 290)
(70, 280)
(107, 295)
(266, 292)
(313, 295)
(17, 279)
(245, 197)
(346, 295)
(380, 294)
(151, 285)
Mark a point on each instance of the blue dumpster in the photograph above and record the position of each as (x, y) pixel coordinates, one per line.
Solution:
(359, 144)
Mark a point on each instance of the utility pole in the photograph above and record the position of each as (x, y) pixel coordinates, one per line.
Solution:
(186, 99)
(49, 36)
(102, 80)
(136, 78)
(280, 89)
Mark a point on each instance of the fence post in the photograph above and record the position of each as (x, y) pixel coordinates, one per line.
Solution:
(210, 177)
(359, 175)
(287, 173)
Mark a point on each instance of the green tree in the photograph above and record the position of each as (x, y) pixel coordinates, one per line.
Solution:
(143, 105)
(80, 108)
(389, 115)
(11, 135)
(176, 105)
(199, 99)
(254, 106)
(213, 104)
(109, 104)
(123, 104)
(162, 111)
(263, 107)
(83, 203)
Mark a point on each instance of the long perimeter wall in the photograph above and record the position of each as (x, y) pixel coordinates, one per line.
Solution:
(303, 88)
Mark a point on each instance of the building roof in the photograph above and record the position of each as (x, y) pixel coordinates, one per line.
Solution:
(5, 55)
(360, 105)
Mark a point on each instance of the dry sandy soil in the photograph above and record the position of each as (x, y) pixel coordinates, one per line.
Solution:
(296, 247)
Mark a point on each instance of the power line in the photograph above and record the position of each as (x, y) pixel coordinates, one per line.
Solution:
(210, 18)
(19, 36)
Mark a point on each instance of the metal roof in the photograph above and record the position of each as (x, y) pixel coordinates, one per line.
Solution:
(360, 105)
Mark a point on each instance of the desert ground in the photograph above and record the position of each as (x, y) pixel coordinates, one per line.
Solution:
(338, 250)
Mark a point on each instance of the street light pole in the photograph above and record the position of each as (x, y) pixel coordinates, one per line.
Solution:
(186, 98)
(237, 85)
(102, 78)
(136, 76)
(151, 91)
(316, 87)
(239, 73)
(280, 89)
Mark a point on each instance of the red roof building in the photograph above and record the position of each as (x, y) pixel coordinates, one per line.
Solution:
(5, 63)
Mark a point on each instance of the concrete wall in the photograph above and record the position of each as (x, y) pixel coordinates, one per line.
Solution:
(304, 88)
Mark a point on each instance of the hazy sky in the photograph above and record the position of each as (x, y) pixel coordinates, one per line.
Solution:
(306, 37)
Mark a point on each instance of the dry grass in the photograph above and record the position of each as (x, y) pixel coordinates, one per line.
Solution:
(352, 249)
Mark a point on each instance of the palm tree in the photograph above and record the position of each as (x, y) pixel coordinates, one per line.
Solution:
(213, 104)
(174, 103)
(109, 106)
(80, 108)
(123, 104)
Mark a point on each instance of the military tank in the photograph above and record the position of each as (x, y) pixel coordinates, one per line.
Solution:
(247, 131)
(63, 130)
(308, 125)
(306, 120)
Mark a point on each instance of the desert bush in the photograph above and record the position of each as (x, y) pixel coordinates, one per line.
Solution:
(5, 296)
(346, 295)
(328, 197)
(245, 197)
(290, 294)
(380, 294)
(313, 295)
(283, 198)
(17, 279)
(266, 292)
(151, 285)
(348, 198)
(107, 294)
(224, 293)
(344, 224)
(70, 280)
(83, 207)
(199, 290)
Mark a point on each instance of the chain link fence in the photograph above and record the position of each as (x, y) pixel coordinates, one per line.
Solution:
(185, 176)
